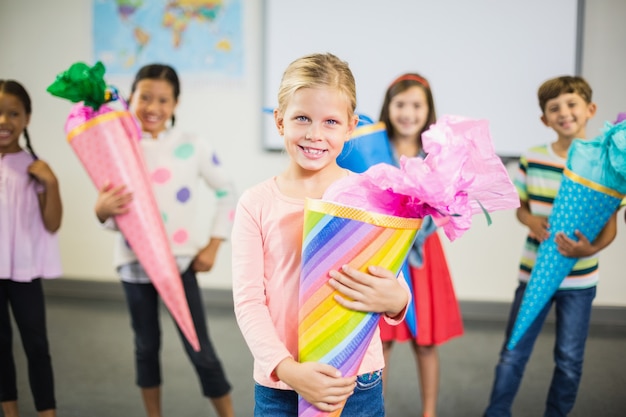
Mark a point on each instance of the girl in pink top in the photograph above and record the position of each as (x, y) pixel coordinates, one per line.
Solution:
(315, 116)
(30, 215)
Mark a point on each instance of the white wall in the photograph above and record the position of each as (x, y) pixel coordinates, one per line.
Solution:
(40, 39)
(458, 74)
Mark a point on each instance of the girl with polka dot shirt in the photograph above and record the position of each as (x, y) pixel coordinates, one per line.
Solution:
(176, 162)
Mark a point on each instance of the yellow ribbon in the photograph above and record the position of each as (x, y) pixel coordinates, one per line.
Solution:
(367, 129)
(96, 120)
(377, 219)
(591, 184)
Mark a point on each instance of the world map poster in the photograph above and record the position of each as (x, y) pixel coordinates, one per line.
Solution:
(194, 36)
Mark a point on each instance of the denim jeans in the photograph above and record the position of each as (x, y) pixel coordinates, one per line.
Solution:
(367, 400)
(573, 311)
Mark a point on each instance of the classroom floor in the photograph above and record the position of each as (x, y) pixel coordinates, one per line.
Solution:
(92, 352)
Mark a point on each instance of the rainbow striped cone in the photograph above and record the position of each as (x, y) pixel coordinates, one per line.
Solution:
(581, 205)
(108, 148)
(335, 235)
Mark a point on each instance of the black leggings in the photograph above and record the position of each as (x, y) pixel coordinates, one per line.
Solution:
(28, 307)
(143, 304)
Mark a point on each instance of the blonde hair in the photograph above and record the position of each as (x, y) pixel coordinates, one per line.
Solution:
(314, 71)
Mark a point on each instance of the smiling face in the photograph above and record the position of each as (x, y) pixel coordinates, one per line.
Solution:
(13, 121)
(408, 113)
(315, 124)
(568, 114)
(153, 102)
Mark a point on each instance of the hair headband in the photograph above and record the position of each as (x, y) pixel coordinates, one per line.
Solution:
(410, 77)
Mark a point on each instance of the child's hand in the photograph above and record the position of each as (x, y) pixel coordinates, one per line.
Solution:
(205, 258)
(320, 384)
(112, 201)
(538, 227)
(574, 248)
(43, 173)
(379, 292)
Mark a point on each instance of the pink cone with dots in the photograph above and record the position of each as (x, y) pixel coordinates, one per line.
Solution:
(108, 148)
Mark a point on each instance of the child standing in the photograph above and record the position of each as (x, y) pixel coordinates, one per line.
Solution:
(30, 215)
(566, 107)
(315, 116)
(408, 111)
(177, 161)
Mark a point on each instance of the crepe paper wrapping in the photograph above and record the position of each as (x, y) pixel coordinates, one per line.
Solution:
(460, 176)
(335, 235)
(82, 83)
(369, 145)
(602, 159)
(590, 192)
(620, 117)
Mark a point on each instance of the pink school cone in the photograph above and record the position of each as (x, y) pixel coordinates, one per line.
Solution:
(108, 148)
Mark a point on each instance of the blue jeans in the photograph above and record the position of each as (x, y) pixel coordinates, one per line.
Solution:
(367, 400)
(573, 311)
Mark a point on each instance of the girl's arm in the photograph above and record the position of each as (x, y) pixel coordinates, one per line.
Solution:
(205, 258)
(218, 179)
(249, 289)
(112, 201)
(50, 200)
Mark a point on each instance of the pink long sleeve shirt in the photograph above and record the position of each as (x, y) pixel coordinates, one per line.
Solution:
(266, 253)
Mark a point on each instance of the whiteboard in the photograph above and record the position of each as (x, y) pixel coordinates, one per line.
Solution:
(485, 59)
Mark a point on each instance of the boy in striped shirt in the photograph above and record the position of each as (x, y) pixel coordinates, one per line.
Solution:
(566, 107)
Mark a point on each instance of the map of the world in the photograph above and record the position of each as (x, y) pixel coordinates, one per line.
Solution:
(194, 36)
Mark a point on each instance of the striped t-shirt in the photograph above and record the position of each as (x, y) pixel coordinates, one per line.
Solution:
(537, 182)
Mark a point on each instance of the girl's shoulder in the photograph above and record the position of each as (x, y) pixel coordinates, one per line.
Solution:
(177, 135)
(184, 144)
(264, 202)
(267, 192)
(18, 159)
(186, 138)
(264, 189)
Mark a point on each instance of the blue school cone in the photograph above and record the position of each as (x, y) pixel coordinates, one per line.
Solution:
(593, 186)
(579, 205)
(411, 314)
(369, 145)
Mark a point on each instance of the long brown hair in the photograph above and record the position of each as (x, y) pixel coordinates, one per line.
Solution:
(400, 85)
